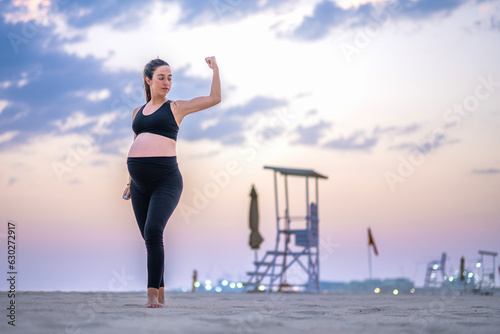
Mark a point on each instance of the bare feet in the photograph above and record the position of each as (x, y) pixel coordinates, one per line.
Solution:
(161, 296)
(153, 298)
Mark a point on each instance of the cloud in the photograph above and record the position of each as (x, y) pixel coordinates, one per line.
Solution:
(427, 144)
(223, 129)
(490, 171)
(258, 104)
(7, 136)
(76, 120)
(227, 126)
(310, 135)
(357, 141)
(328, 15)
(3, 103)
(12, 180)
(25, 10)
(495, 23)
(404, 146)
(53, 85)
(398, 130)
(407, 129)
(80, 14)
(200, 12)
(100, 95)
(312, 112)
(425, 8)
(128, 14)
(269, 132)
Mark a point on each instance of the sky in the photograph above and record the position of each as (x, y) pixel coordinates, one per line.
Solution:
(397, 102)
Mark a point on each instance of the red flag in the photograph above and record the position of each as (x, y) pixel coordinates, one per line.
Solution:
(371, 242)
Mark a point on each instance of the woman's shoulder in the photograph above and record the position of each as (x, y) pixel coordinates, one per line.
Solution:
(173, 105)
(135, 111)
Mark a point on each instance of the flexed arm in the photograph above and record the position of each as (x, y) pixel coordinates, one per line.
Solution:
(215, 91)
(183, 108)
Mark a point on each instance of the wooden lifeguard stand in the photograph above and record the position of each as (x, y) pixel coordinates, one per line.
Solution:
(270, 273)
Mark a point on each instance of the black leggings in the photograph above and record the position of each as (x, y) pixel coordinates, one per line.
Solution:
(155, 190)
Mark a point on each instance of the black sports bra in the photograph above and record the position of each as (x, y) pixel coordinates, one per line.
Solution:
(161, 122)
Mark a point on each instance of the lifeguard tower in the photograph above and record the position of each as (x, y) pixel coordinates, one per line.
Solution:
(435, 276)
(300, 259)
(486, 273)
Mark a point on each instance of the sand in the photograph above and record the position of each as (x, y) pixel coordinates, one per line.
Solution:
(124, 312)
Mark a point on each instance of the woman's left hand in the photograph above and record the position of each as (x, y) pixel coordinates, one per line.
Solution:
(126, 192)
(212, 63)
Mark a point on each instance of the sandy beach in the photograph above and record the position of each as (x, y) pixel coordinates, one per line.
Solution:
(124, 312)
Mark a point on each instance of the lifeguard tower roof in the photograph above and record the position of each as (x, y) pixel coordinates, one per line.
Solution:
(297, 172)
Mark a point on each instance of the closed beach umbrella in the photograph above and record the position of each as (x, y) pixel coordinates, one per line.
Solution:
(255, 237)
(462, 269)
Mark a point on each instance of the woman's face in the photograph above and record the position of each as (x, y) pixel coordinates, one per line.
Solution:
(162, 81)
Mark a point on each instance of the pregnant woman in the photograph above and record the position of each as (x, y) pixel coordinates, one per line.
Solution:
(155, 183)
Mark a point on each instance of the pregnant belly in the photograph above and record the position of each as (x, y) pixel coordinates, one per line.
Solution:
(152, 145)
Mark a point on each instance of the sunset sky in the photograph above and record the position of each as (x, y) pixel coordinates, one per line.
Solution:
(397, 102)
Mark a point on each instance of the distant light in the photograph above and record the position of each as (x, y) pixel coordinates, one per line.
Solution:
(435, 267)
(239, 285)
(208, 282)
(377, 290)
(468, 280)
(262, 287)
(218, 289)
(478, 264)
(451, 279)
(208, 287)
(184, 289)
(225, 282)
(232, 285)
(395, 292)
(197, 284)
(433, 275)
(470, 275)
(412, 290)
(445, 278)
(295, 288)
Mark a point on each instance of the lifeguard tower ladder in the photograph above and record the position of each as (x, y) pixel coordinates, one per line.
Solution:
(270, 273)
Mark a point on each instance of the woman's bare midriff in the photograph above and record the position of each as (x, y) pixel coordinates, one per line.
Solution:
(152, 145)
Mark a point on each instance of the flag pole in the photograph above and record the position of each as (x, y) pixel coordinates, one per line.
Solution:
(369, 262)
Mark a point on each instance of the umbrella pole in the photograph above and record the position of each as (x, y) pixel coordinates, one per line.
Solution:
(256, 257)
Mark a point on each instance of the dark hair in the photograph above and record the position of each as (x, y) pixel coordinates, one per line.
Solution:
(149, 69)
